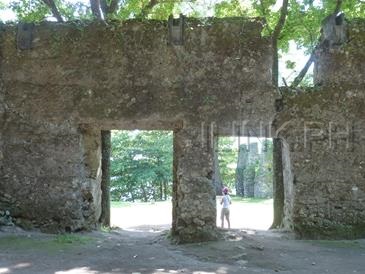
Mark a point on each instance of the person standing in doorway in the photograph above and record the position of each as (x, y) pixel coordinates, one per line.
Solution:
(226, 202)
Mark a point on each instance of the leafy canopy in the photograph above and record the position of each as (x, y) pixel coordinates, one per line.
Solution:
(141, 165)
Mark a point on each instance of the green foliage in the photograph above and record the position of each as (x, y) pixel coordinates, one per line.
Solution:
(71, 239)
(163, 10)
(74, 10)
(141, 165)
(289, 64)
(52, 244)
(30, 10)
(131, 8)
(227, 157)
(229, 8)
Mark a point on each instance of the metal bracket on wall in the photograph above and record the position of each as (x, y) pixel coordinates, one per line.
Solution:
(176, 30)
(24, 38)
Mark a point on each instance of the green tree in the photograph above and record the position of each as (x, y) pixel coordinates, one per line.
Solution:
(227, 157)
(141, 165)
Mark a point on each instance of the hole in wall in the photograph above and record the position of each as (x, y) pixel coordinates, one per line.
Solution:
(141, 176)
(246, 169)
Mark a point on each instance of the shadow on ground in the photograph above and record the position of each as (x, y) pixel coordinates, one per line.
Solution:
(148, 250)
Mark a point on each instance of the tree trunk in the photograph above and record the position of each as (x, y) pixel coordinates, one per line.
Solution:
(96, 9)
(217, 179)
(52, 5)
(161, 191)
(144, 194)
(164, 190)
(304, 71)
(278, 184)
(105, 179)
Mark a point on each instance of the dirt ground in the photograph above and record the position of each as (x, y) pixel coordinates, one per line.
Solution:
(146, 249)
(121, 251)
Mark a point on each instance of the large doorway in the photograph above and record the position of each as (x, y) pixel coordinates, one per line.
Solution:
(141, 179)
(245, 167)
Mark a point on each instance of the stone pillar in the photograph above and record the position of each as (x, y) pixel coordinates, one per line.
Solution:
(91, 183)
(278, 183)
(194, 202)
(105, 177)
(217, 179)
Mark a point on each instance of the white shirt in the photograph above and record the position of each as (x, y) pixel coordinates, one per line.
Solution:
(226, 200)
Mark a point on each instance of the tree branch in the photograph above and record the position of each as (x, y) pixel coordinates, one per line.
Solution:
(95, 9)
(275, 37)
(109, 9)
(264, 13)
(304, 71)
(52, 5)
(338, 6)
(148, 8)
(113, 6)
(283, 14)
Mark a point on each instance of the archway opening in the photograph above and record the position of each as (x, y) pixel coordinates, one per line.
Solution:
(245, 166)
(141, 177)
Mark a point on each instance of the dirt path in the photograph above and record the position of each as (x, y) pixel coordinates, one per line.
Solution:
(129, 252)
(142, 247)
(243, 215)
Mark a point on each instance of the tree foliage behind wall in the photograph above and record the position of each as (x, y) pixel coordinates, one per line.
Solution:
(227, 157)
(141, 165)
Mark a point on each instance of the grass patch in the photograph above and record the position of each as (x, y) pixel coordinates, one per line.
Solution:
(118, 204)
(63, 239)
(48, 244)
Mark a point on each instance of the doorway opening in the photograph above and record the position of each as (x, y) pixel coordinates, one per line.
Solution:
(141, 176)
(245, 166)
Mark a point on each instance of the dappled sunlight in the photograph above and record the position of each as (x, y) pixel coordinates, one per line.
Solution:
(13, 268)
(220, 270)
(22, 265)
(78, 270)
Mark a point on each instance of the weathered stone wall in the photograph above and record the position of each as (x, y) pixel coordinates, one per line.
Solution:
(340, 65)
(194, 201)
(324, 132)
(79, 79)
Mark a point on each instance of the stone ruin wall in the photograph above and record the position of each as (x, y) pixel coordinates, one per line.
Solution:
(324, 144)
(79, 79)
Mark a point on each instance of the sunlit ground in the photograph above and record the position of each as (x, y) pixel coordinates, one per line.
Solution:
(246, 213)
